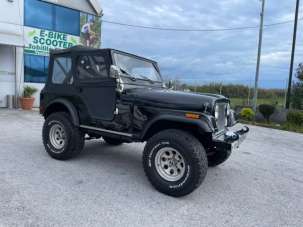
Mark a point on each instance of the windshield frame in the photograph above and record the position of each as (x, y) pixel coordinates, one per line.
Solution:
(113, 52)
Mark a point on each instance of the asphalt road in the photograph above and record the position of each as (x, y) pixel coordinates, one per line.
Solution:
(260, 185)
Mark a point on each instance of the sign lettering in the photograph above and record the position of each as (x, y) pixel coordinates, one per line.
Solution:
(40, 41)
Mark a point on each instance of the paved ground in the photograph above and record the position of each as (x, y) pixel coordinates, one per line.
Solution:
(261, 184)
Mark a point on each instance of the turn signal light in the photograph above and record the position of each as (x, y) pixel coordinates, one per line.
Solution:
(192, 116)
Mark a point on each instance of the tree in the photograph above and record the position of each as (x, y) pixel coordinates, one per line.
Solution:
(299, 73)
(267, 110)
(297, 90)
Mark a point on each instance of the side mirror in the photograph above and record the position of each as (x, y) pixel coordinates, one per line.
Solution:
(115, 71)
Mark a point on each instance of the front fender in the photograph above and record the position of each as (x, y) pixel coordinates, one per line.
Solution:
(203, 123)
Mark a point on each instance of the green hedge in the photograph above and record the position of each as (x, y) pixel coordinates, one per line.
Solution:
(295, 117)
(247, 114)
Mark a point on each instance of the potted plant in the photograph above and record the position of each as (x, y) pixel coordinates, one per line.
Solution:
(27, 100)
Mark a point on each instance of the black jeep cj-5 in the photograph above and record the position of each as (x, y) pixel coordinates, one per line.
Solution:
(94, 93)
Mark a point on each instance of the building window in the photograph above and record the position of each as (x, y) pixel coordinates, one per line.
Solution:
(48, 16)
(67, 21)
(35, 68)
(38, 14)
(61, 70)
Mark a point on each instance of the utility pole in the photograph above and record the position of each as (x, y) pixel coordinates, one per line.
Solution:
(259, 56)
(287, 104)
(248, 96)
(285, 95)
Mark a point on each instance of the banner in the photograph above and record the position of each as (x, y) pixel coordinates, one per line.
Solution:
(40, 41)
(90, 30)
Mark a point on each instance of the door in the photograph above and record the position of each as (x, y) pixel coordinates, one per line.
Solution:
(96, 89)
(7, 74)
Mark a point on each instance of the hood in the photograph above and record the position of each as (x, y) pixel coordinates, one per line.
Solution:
(165, 98)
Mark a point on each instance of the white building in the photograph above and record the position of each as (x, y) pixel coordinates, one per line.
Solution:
(29, 28)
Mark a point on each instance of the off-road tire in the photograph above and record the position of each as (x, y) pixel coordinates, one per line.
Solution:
(74, 138)
(112, 141)
(218, 158)
(195, 162)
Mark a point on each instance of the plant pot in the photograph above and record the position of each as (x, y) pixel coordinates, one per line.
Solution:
(27, 103)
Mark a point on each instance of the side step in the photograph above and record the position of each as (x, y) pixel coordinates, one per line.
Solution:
(106, 131)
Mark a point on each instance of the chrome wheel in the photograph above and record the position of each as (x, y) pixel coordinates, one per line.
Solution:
(57, 136)
(170, 164)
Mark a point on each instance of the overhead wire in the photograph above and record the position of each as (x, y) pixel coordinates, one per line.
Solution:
(196, 29)
(186, 29)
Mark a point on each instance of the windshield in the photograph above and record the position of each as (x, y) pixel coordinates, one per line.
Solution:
(136, 67)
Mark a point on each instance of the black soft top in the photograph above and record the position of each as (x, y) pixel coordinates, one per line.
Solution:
(74, 49)
(79, 49)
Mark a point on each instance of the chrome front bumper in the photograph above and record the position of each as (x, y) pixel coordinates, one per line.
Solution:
(230, 140)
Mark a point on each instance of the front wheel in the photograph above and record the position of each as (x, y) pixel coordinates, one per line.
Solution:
(61, 139)
(175, 162)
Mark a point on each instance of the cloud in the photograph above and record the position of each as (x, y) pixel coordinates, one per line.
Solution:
(201, 57)
(276, 58)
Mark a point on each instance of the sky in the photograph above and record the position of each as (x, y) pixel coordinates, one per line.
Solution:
(204, 57)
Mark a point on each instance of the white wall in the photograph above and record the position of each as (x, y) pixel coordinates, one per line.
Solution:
(11, 35)
(11, 11)
(11, 21)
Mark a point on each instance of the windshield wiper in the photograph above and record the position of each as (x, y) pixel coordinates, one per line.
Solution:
(146, 78)
(133, 77)
(128, 74)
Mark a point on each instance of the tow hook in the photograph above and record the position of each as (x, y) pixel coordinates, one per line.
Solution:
(233, 136)
(242, 131)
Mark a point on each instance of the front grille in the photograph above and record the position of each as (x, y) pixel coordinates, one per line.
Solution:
(221, 119)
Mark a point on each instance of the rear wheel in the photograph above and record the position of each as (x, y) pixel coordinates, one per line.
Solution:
(112, 141)
(61, 139)
(175, 162)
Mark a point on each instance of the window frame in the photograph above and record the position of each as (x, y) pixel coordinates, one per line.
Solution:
(68, 75)
(51, 70)
(113, 52)
(102, 53)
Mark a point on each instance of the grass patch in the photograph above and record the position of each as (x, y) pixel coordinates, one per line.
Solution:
(293, 128)
(285, 127)
(243, 102)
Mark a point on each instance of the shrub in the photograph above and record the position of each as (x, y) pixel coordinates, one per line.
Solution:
(247, 114)
(266, 110)
(295, 117)
(297, 96)
(29, 91)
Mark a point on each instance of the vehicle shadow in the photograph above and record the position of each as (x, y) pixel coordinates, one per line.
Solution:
(125, 159)
(124, 163)
(124, 152)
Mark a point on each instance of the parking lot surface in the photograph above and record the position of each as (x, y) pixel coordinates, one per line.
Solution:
(260, 185)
